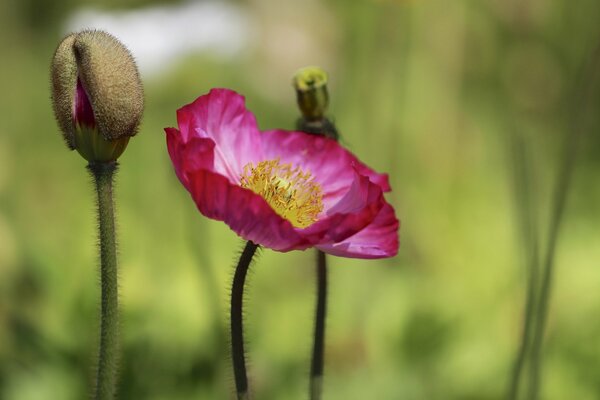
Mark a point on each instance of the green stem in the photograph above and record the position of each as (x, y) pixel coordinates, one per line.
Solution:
(581, 102)
(528, 327)
(237, 331)
(316, 370)
(528, 221)
(106, 378)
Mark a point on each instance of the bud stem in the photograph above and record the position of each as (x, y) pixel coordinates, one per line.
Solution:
(237, 332)
(106, 378)
(316, 369)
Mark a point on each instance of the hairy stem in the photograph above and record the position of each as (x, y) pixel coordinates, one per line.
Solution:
(106, 378)
(237, 331)
(316, 370)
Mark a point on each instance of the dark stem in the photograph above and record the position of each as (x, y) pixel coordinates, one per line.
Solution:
(106, 378)
(573, 137)
(323, 127)
(316, 370)
(237, 331)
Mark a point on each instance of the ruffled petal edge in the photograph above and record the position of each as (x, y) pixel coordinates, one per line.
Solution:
(379, 239)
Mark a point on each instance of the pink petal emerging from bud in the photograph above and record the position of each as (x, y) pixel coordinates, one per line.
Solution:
(83, 114)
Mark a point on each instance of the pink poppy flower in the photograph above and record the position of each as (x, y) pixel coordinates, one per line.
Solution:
(280, 189)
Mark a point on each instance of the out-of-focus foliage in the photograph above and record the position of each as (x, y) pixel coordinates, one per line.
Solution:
(431, 91)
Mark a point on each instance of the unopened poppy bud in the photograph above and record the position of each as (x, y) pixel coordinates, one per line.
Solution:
(311, 92)
(96, 94)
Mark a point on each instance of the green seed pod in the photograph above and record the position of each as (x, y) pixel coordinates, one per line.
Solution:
(311, 92)
(97, 94)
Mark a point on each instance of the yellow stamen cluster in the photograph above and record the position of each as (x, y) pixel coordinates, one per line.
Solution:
(291, 192)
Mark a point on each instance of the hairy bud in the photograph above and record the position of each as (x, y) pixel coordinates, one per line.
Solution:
(97, 94)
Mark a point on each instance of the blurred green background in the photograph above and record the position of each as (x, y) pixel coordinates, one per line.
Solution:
(443, 95)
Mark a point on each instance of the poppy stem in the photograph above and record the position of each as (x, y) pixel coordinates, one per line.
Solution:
(316, 370)
(326, 128)
(106, 378)
(237, 332)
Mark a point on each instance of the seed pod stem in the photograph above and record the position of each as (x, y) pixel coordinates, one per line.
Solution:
(311, 92)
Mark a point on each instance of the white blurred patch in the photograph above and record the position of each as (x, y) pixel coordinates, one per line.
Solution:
(160, 36)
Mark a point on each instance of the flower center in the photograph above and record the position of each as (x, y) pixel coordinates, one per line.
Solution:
(291, 192)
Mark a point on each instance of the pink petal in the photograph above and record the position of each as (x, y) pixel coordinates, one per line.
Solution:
(189, 156)
(351, 200)
(378, 240)
(357, 209)
(327, 161)
(83, 113)
(375, 177)
(221, 116)
(217, 137)
(356, 196)
(246, 213)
